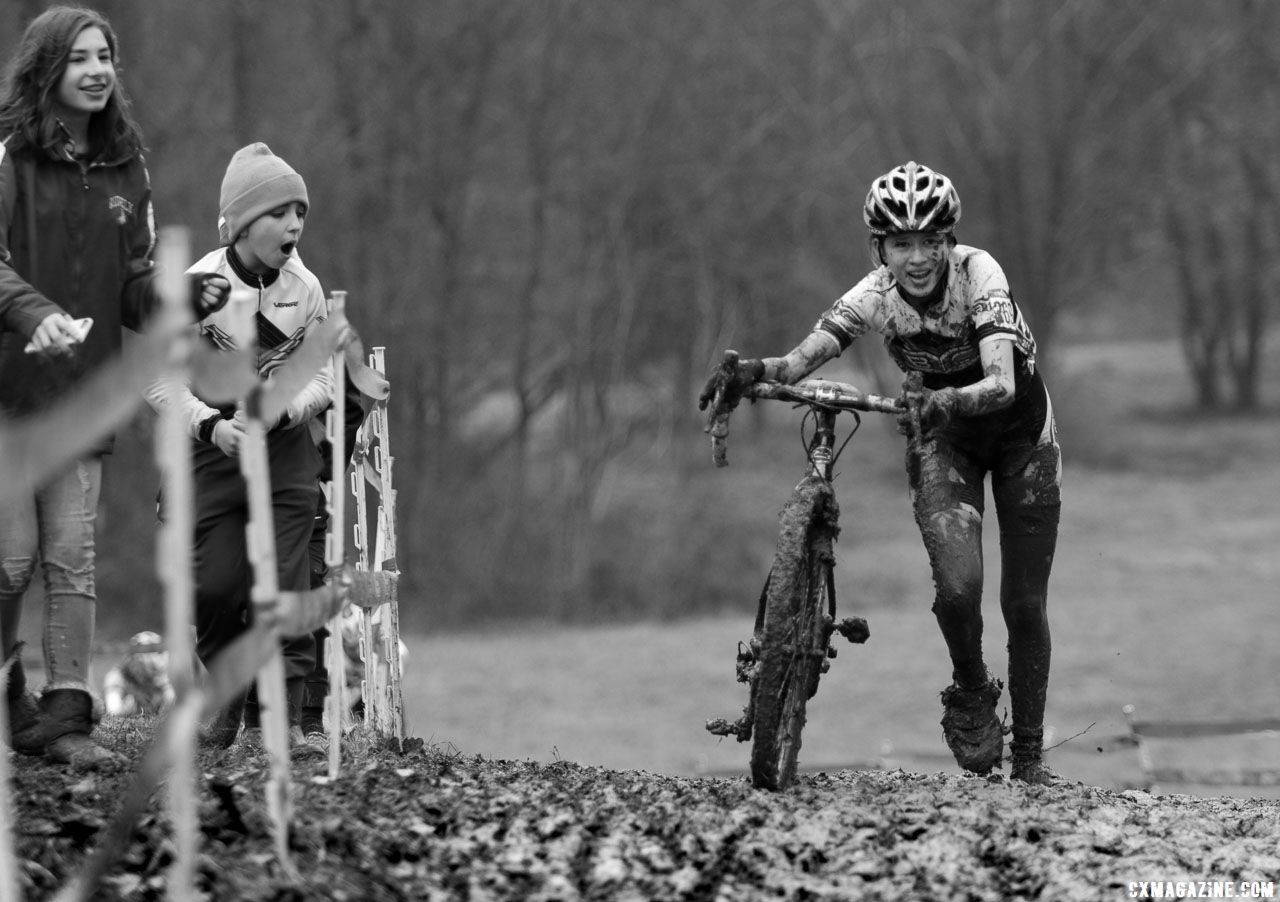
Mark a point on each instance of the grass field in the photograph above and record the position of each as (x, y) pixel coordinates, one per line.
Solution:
(1164, 596)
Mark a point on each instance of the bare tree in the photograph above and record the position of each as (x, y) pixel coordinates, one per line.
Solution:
(1221, 221)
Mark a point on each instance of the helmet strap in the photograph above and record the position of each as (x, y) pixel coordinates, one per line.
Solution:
(875, 245)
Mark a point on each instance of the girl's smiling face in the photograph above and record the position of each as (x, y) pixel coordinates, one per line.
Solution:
(917, 260)
(271, 239)
(90, 76)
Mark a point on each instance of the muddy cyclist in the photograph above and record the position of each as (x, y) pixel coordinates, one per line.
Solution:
(945, 310)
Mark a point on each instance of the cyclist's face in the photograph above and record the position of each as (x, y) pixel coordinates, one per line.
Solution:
(272, 238)
(917, 260)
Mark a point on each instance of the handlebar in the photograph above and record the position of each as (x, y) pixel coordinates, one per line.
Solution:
(820, 394)
(827, 394)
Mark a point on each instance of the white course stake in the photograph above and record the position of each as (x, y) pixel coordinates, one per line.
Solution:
(174, 561)
(335, 550)
(385, 555)
(261, 542)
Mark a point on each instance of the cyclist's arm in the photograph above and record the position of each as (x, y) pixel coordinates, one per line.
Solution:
(816, 349)
(995, 389)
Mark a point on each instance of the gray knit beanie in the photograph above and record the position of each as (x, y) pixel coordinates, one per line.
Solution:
(256, 181)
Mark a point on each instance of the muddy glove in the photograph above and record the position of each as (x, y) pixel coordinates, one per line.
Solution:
(936, 409)
(209, 293)
(745, 374)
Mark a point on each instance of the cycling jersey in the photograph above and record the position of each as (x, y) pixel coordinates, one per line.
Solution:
(942, 342)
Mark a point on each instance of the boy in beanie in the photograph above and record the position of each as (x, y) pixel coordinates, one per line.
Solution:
(261, 211)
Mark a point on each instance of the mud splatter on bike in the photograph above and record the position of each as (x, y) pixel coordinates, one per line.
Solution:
(790, 646)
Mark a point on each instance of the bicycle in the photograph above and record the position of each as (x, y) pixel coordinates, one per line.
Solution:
(791, 646)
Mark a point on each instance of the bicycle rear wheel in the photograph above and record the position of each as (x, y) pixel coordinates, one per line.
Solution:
(795, 632)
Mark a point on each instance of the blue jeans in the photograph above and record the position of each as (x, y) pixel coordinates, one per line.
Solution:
(54, 525)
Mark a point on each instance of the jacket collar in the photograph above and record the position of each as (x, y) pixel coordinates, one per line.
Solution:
(258, 280)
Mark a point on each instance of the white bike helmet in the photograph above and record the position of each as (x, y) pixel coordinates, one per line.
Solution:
(911, 198)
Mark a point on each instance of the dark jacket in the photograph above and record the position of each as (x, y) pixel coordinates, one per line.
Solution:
(79, 236)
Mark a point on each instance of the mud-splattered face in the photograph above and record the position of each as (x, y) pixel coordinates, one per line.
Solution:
(917, 260)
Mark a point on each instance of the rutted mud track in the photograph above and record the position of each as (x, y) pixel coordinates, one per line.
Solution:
(431, 825)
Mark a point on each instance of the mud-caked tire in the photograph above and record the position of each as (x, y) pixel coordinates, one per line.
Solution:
(794, 632)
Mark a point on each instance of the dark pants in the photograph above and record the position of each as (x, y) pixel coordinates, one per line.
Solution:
(224, 577)
(948, 497)
(317, 681)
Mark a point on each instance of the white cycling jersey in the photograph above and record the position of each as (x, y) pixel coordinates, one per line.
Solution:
(943, 340)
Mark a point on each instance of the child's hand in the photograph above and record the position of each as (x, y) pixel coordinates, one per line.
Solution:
(209, 293)
(56, 336)
(228, 435)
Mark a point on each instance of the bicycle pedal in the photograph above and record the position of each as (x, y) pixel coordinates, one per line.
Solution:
(854, 629)
(738, 729)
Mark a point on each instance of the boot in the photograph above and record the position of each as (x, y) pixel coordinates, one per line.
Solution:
(313, 701)
(1027, 759)
(225, 726)
(970, 725)
(24, 712)
(293, 687)
(296, 692)
(68, 719)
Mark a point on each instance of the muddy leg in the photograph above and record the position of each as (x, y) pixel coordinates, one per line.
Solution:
(954, 540)
(1028, 504)
(948, 511)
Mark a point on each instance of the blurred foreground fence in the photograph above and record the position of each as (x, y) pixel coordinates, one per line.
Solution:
(32, 451)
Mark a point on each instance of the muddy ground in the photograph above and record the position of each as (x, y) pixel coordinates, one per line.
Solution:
(429, 823)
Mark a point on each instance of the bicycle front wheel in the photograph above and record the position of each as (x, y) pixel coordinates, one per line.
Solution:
(794, 633)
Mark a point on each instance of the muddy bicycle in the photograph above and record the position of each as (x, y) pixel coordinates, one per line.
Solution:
(790, 647)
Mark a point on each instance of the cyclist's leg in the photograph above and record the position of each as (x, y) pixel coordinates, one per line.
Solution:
(1028, 502)
(947, 494)
(948, 501)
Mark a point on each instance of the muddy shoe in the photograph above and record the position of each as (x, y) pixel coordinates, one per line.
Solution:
(971, 727)
(1033, 771)
(312, 722)
(80, 752)
(221, 732)
(307, 745)
(1026, 754)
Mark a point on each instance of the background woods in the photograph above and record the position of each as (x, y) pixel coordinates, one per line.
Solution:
(555, 214)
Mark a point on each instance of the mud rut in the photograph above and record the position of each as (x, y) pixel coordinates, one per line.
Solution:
(428, 824)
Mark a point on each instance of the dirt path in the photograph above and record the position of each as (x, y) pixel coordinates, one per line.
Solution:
(435, 826)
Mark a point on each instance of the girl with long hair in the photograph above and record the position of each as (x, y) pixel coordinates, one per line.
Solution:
(76, 243)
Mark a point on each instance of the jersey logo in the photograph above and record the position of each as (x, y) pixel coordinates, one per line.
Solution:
(285, 304)
(120, 208)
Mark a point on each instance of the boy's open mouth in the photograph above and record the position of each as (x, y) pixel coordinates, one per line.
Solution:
(287, 248)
